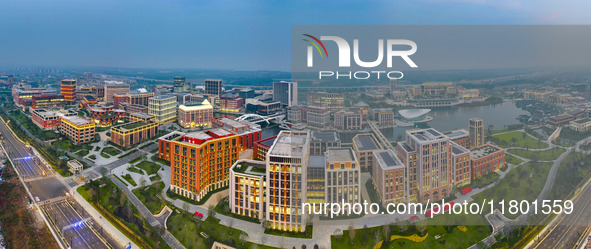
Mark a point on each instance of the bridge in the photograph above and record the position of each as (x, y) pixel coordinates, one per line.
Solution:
(380, 136)
(256, 118)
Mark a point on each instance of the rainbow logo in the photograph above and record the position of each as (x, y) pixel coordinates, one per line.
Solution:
(315, 45)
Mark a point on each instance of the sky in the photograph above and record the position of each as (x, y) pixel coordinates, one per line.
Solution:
(237, 35)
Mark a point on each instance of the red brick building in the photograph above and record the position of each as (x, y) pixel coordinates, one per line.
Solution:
(486, 159)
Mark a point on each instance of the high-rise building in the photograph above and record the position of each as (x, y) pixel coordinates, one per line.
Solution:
(114, 87)
(192, 116)
(427, 156)
(342, 176)
(68, 89)
(364, 146)
(476, 132)
(388, 175)
(285, 92)
(163, 107)
(247, 188)
(181, 85)
(393, 85)
(287, 169)
(213, 86)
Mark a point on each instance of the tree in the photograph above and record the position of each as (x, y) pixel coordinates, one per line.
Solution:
(242, 238)
(103, 171)
(231, 224)
(421, 227)
(403, 226)
(211, 211)
(142, 182)
(351, 232)
(490, 127)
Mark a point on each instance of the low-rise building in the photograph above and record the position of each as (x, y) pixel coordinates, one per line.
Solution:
(49, 120)
(247, 188)
(348, 120)
(78, 129)
(130, 108)
(486, 159)
(561, 119)
(384, 117)
(75, 166)
(364, 146)
(163, 107)
(142, 117)
(106, 115)
(133, 133)
(48, 101)
(389, 177)
(231, 103)
(581, 125)
(193, 116)
(331, 101)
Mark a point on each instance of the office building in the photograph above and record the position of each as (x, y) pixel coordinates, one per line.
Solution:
(231, 103)
(320, 141)
(68, 89)
(389, 178)
(163, 107)
(106, 115)
(249, 133)
(22, 94)
(342, 176)
(460, 136)
(486, 159)
(426, 154)
(462, 166)
(134, 132)
(180, 85)
(246, 93)
(285, 92)
(383, 117)
(331, 101)
(348, 120)
(287, 165)
(364, 146)
(247, 188)
(316, 180)
(213, 87)
(261, 148)
(581, 125)
(49, 120)
(114, 88)
(78, 129)
(48, 101)
(476, 132)
(134, 98)
(193, 116)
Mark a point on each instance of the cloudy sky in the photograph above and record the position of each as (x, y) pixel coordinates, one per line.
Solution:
(240, 35)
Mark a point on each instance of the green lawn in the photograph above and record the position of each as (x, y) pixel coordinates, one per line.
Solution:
(149, 196)
(82, 153)
(451, 235)
(545, 155)
(111, 151)
(158, 160)
(136, 170)
(512, 160)
(93, 157)
(485, 180)
(105, 155)
(69, 146)
(572, 171)
(150, 167)
(32, 128)
(522, 183)
(155, 178)
(137, 159)
(129, 179)
(517, 139)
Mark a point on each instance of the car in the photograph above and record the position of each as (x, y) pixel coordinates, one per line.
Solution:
(198, 215)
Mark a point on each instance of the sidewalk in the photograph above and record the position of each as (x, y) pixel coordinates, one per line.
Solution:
(112, 230)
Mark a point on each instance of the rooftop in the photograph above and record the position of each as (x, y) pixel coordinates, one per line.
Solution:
(366, 142)
(458, 149)
(133, 125)
(582, 121)
(429, 134)
(250, 167)
(324, 136)
(198, 135)
(340, 155)
(77, 120)
(387, 160)
(203, 106)
(483, 150)
(142, 115)
(231, 122)
(290, 144)
(457, 133)
(317, 162)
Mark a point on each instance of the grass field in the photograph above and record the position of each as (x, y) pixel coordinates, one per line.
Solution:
(111, 151)
(150, 167)
(135, 170)
(129, 179)
(451, 235)
(485, 180)
(572, 171)
(545, 155)
(522, 183)
(517, 139)
(512, 160)
(149, 196)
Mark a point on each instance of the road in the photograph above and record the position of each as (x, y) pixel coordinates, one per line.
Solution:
(570, 227)
(73, 227)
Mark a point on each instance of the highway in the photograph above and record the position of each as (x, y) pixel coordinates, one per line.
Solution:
(570, 227)
(73, 227)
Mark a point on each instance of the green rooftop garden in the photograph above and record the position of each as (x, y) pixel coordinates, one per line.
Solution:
(133, 125)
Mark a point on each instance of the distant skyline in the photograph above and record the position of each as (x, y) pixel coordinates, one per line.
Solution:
(236, 35)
